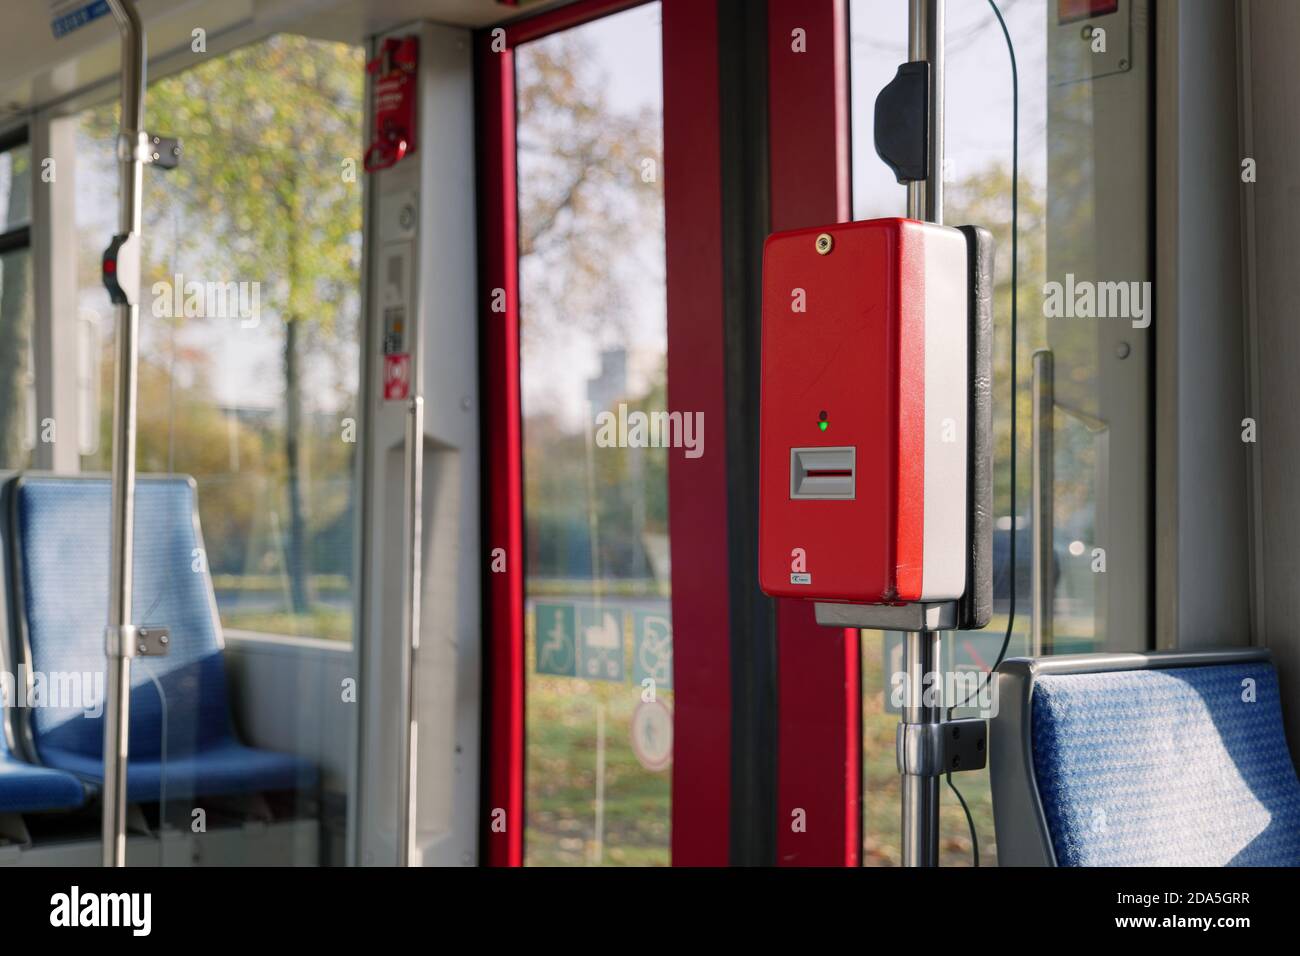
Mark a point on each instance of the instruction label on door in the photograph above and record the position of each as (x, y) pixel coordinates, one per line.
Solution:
(69, 15)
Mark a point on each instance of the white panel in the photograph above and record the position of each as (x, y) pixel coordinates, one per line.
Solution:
(946, 401)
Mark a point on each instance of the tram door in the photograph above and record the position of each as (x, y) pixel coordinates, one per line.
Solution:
(1091, 383)
(1082, 516)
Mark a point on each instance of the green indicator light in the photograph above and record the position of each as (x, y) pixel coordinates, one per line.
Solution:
(823, 425)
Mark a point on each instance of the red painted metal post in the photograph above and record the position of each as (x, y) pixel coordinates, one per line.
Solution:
(819, 752)
(697, 488)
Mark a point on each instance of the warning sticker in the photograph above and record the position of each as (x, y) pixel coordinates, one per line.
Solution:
(397, 377)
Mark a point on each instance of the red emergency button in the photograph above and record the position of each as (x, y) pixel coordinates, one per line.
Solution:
(116, 293)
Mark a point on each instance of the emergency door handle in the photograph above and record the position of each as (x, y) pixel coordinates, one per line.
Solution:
(1042, 569)
(414, 488)
(414, 494)
(384, 155)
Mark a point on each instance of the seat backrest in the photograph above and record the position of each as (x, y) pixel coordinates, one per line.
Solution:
(61, 548)
(1143, 760)
(9, 730)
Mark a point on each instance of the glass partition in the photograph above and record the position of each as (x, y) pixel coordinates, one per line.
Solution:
(1083, 209)
(593, 351)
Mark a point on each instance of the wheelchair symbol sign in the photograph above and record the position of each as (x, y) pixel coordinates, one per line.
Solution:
(600, 643)
(652, 648)
(555, 638)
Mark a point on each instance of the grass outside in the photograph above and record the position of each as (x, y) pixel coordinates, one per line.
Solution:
(881, 814)
(260, 602)
(561, 778)
(561, 774)
(326, 623)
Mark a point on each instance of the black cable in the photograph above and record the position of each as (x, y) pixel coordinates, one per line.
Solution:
(970, 821)
(1015, 211)
(162, 770)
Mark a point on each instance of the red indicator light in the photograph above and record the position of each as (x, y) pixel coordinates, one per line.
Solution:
(110, 265)
(1067, 11)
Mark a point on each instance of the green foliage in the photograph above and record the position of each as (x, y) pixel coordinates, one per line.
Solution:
(261, 196)
(984, 197)
(586, 199)
(15, 318)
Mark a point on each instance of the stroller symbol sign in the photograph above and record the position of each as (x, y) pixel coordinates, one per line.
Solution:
(600, 643)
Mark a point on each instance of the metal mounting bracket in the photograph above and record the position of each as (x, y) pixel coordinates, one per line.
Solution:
(162, 151)
(137, 640)
(931, 750)
(940, 616)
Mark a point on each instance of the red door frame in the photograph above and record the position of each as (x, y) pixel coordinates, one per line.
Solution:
(502, 787)
(819, 687)
(819, 743)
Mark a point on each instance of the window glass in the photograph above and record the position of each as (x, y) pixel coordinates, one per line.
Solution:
(17, 390)
(249, 320)
(248, 381)
(15, 187)
(599, 697)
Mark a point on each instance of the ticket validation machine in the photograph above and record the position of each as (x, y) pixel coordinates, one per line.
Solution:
(875, 460)
(865, 414)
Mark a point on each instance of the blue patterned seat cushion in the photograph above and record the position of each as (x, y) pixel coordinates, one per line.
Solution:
(25, 788)
(28, 789)
(63, 542)
(1166, 767)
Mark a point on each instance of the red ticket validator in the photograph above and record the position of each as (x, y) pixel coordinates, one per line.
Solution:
(865, 402)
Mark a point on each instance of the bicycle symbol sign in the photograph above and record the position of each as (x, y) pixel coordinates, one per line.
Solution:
(653, 648)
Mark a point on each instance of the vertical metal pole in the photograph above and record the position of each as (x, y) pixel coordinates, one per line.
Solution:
(1043, 569)
(923, 649)
(920, 792)
(411, 632)
(118, 635)
(598, 844)
(925, 42)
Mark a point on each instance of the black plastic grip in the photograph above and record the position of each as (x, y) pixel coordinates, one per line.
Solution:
(903, 120)
(976, 605)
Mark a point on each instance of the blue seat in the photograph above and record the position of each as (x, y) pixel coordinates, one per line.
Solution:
(62, 549)
(24, 787)
(1161, 759)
